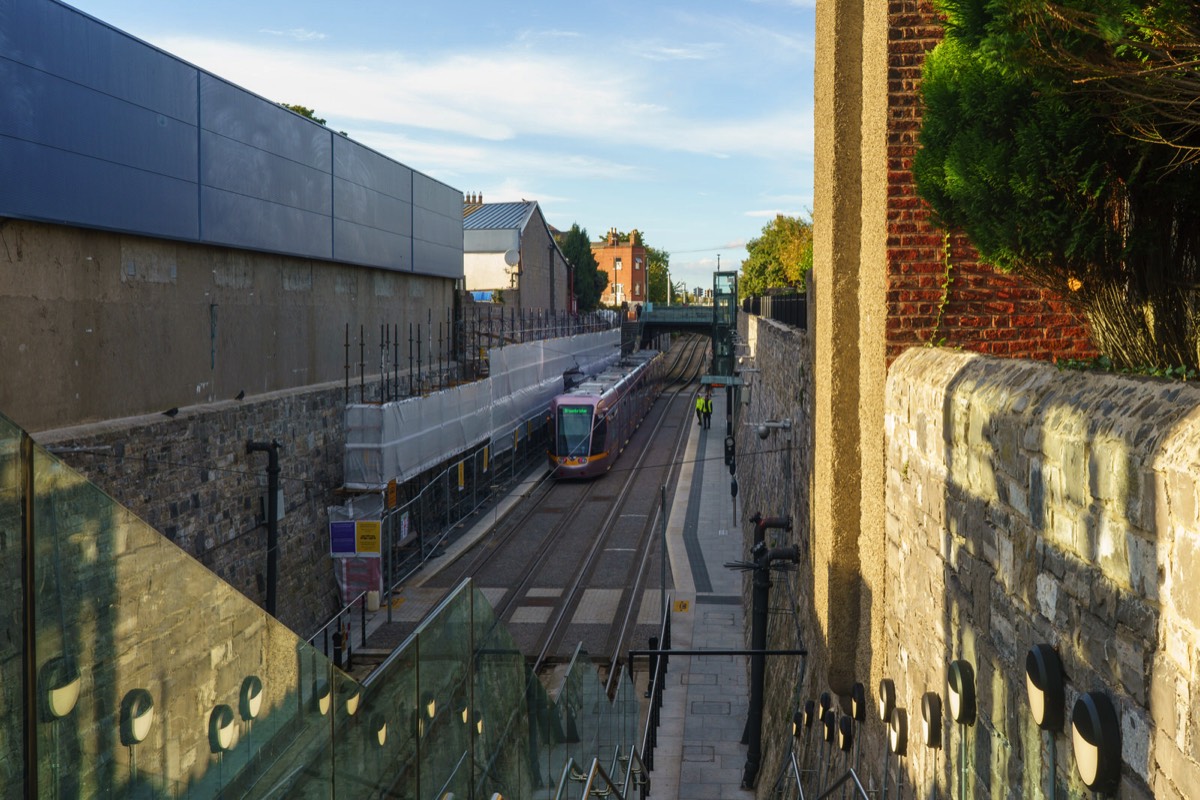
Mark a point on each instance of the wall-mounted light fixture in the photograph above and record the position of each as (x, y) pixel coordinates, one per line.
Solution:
(797, 723)
(858, 702)
(479, 723)
(898, 731)
(960, 682)
(1096, 740)
(221, 728)
(429, 705)
(61, 681)
(829, 725)
(137, 716)
(1045, 685)
(379, 726)
(763, 429)
(321, 696)
(887, 699)
(464, 712)
(250, 698)
(352, 700)
(845, 734)
(824, 703)
(810, 713)
(931, 720)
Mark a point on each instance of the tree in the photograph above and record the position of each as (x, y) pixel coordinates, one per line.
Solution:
(1031, 164)
(304, 111)
(658, 263)
(778, 258)
(1141, 57)
(590, 281)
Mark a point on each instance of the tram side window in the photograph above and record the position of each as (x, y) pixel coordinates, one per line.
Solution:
(599, 435)
(574, 430)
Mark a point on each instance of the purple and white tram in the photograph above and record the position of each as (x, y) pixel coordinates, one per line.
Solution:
(591, 423)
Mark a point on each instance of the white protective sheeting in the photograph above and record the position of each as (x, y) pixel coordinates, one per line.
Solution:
(400, 440)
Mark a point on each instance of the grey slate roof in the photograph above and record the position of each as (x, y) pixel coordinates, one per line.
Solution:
(499, 216)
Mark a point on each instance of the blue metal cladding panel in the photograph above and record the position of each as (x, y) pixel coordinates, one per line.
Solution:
(360, 244)
(59, 40)
(45, 109)
(45, 183)
(357, 164)
(248, 171)
(239, 221)
(438, 228)
(97, 128)
(265, 173)
(237, 115)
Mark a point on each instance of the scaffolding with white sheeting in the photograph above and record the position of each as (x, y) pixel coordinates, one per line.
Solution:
(398, 440)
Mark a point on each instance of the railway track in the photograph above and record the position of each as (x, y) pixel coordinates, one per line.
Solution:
(572, 563)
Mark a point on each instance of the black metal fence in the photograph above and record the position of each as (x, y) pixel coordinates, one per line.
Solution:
(790, 309)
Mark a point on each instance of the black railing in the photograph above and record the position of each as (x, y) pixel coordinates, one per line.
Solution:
(789, 309)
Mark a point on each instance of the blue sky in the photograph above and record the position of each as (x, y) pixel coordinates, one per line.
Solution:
(690, 121)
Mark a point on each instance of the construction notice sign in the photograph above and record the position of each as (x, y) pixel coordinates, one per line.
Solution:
(366, 535)
(353, 539)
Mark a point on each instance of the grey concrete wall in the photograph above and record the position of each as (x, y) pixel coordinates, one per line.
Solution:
(98, 326)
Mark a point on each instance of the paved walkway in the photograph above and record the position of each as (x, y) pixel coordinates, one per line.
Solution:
(700, 754)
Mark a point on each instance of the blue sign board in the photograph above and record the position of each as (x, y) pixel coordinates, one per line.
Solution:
(341, 539)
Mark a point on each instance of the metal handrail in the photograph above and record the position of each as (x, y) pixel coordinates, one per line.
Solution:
(597, 772)
(655, 690)
(360, 599)
(796, 771)
(640, 775)
(849, 776)
(569, 773)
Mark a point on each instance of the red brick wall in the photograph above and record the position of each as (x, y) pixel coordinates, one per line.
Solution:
(985, 311)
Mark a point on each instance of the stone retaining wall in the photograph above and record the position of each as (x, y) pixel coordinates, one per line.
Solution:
(1025, 505)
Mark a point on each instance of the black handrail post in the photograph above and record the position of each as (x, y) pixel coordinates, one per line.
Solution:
(758, 637)
(271, 448)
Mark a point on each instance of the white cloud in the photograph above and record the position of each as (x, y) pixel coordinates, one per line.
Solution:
(495, 97)
(299, 34)
(659, 51)
(775, 212)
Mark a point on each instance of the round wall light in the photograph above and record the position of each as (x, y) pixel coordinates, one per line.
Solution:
(931, 720)
(137, 716)
(858, 702)
(897, 725)
(1096, 740)
(960, 680)
(60, 681)
(887, 699)
(352, 701)
(810, 713)
(845, 737)
(797, 723)
(320, 694)
(828, 725)
(379, 726)
(221, 728)
(250, 698)
(825, 702)
(1044, 683)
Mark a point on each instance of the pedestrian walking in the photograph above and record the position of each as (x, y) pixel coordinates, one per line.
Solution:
(708, 409)
(700, 410)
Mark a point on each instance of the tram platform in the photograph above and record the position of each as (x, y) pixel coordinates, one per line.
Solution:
(700, 755)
